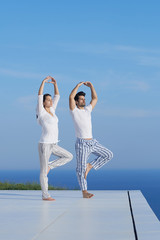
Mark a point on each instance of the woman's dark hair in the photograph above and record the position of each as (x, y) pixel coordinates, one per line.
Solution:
(79, 94)
(44, 98)
(46, 95)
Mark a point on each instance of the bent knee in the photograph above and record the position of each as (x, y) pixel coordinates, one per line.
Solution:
(69, 157)
(110, 155)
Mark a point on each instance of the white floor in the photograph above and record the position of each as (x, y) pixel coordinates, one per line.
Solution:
(106, 216)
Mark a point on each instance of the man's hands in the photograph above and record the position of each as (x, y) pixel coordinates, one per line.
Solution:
(80, 84)
(88, 84)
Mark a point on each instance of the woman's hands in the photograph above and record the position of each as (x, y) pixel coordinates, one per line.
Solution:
(46, 80)
(53, 81)
(50, 79)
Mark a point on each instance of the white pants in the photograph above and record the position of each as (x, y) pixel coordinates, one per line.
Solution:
(45, 151)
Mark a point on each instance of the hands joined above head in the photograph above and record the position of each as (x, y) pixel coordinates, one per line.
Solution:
(50, 79)
(88, 84)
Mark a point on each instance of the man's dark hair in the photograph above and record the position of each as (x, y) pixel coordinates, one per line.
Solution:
(46, 95)
(79, 94)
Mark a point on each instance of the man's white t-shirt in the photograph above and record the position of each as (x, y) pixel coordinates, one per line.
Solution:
(48, 122)
(82, 121)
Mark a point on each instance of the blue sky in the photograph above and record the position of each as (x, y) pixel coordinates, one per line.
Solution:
(113, 44)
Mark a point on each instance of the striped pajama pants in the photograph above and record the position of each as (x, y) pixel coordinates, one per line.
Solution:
(45, 151)
(83, 149)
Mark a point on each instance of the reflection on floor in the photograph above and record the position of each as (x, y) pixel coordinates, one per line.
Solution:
(109, 215)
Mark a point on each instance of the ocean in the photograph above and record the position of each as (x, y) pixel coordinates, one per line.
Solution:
(148, 181)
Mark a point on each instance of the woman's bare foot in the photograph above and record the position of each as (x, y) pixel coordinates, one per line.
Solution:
(89, 167)
(48, 170)
(49, 199)
(87, 194)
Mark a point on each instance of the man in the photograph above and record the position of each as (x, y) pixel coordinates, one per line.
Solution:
(85, 144)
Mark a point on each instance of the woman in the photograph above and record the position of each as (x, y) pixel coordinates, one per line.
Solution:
(48, 142)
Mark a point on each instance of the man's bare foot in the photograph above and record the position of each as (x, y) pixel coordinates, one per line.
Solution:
(89, 167)
(49, 199)
(48, 170)
(87, 194)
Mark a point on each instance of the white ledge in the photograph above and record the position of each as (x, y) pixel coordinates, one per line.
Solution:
(109, 215)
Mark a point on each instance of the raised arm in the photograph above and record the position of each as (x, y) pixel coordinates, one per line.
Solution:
(72, 103)
(40, 96)
(93, 94)
(40, 92)
(56, 91)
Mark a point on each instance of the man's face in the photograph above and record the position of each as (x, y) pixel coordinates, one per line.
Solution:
(81, 101)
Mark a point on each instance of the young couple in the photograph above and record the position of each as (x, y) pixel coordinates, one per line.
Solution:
(85, 143)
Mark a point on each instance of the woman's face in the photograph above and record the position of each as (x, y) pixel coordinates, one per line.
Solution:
(48, 102)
